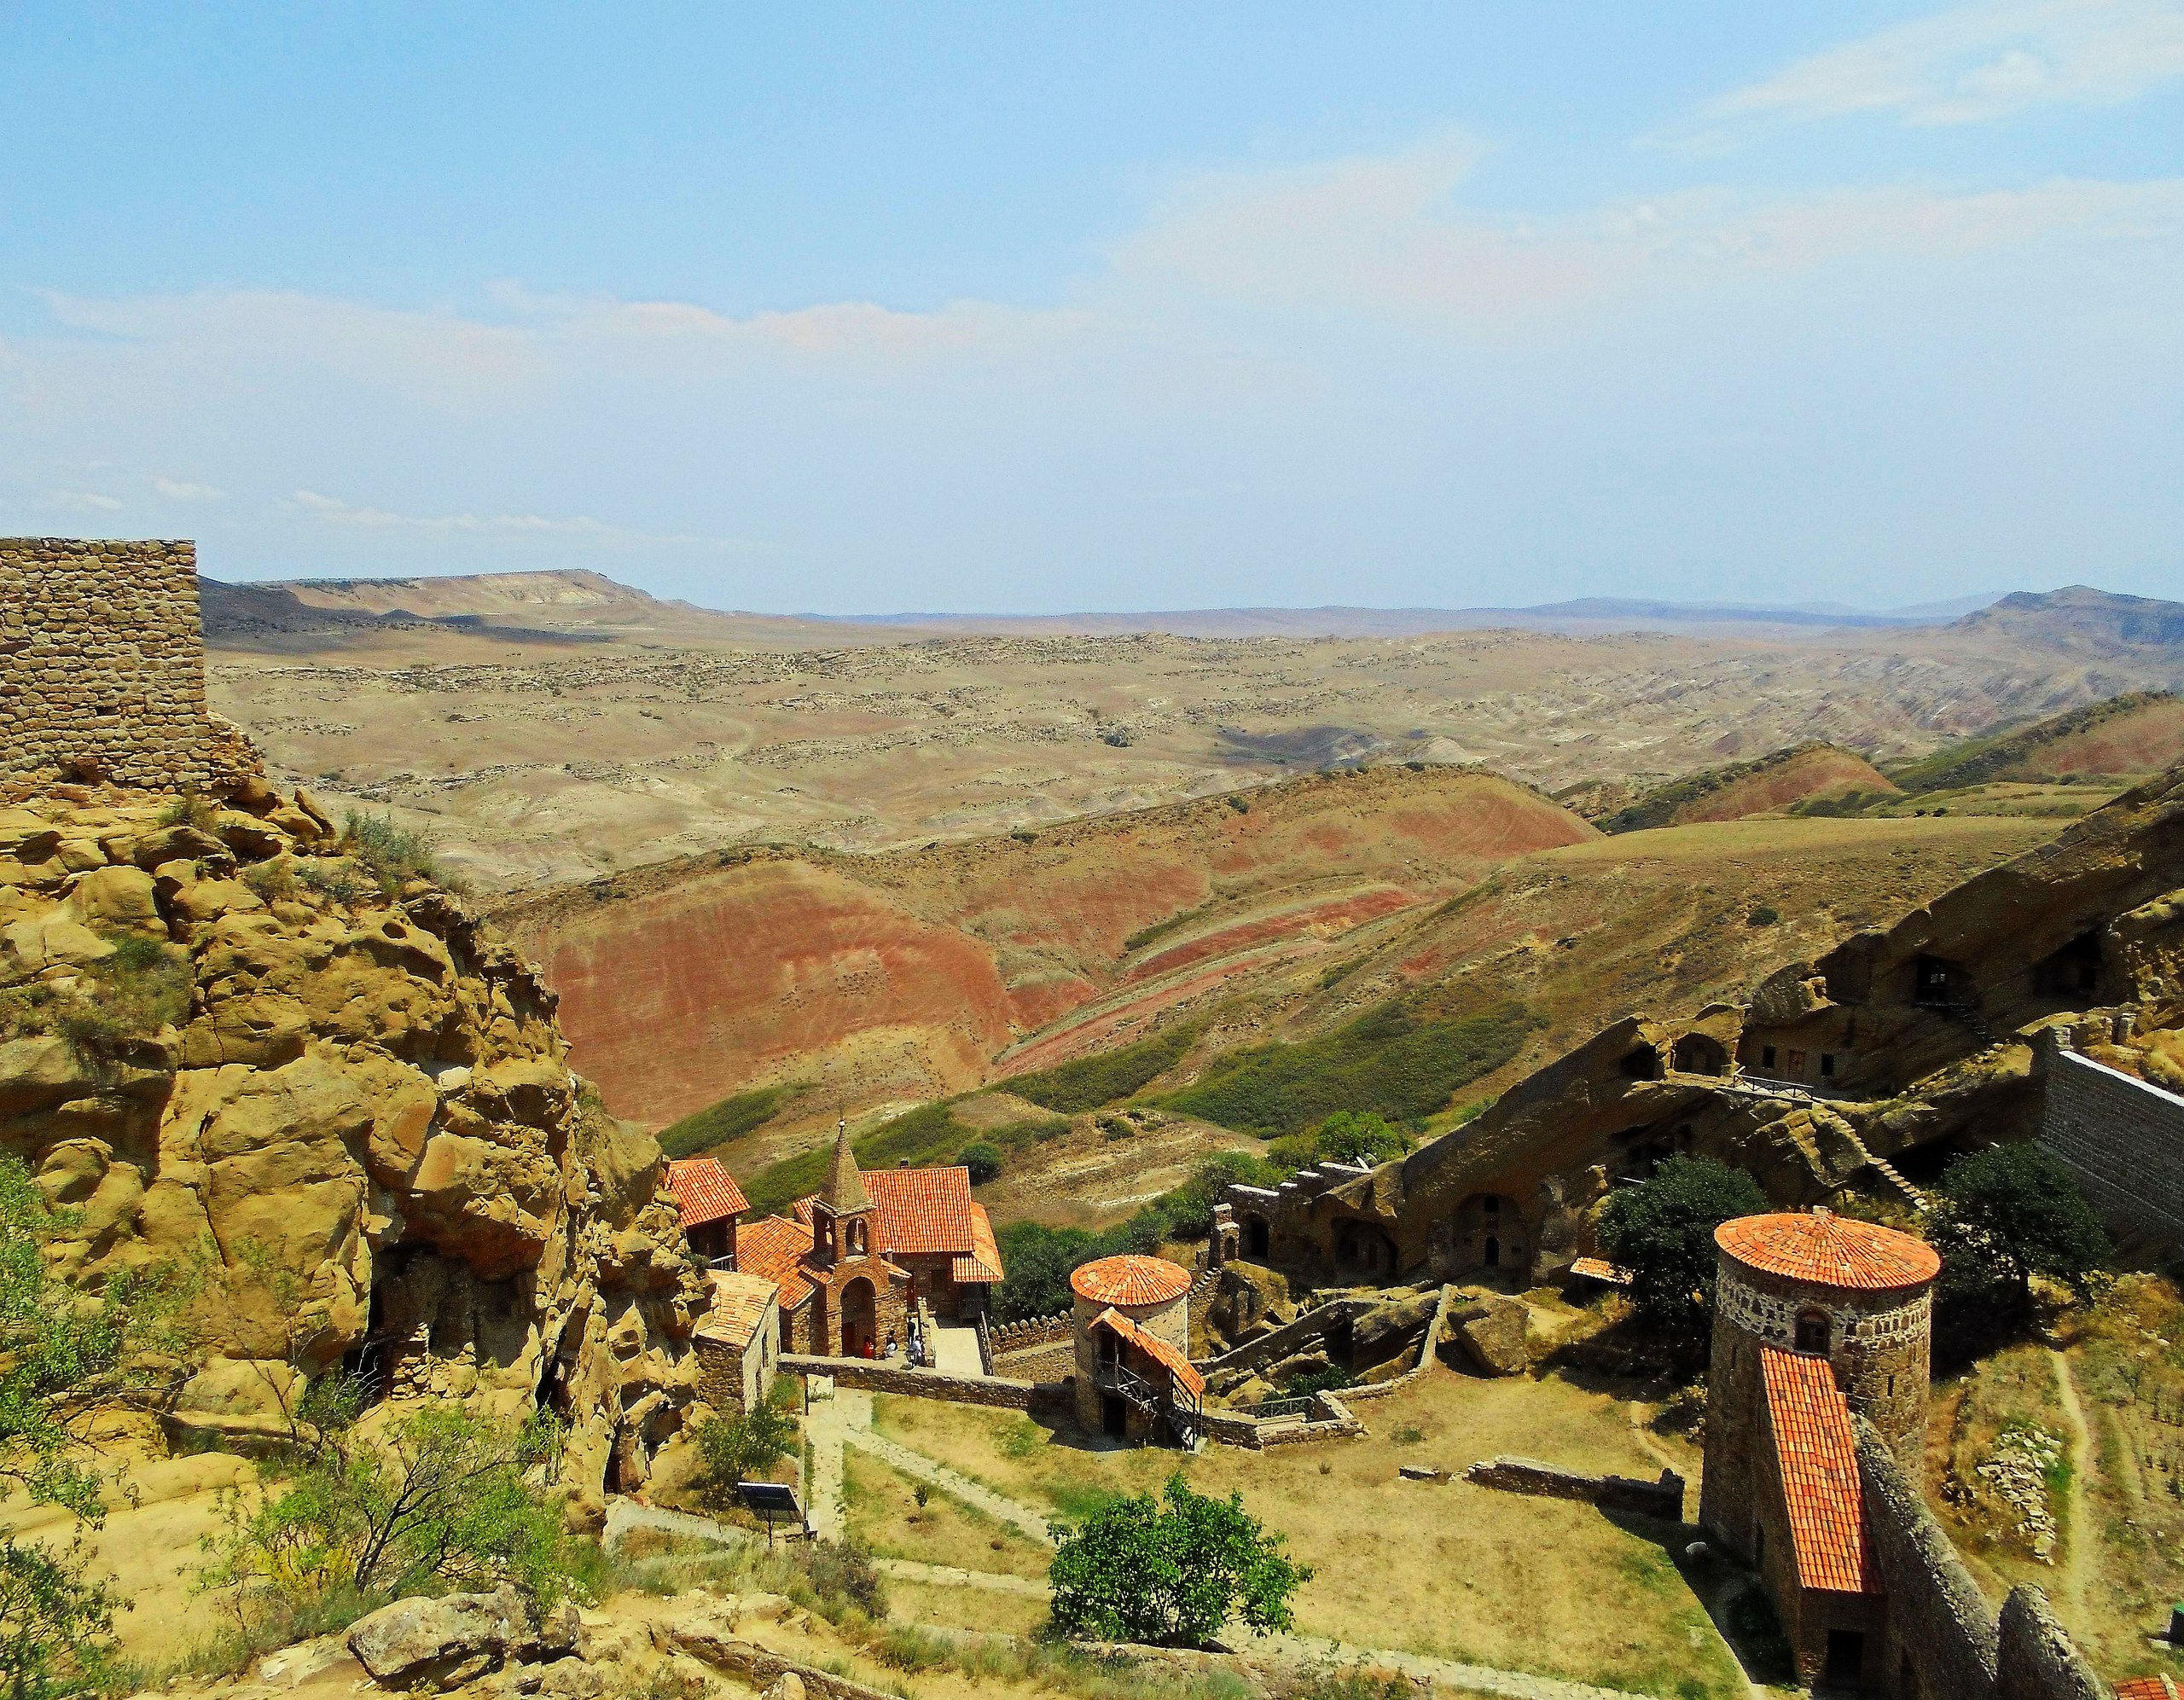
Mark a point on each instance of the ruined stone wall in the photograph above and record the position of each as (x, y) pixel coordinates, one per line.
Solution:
(2123, 1138)
(2038, 1661)
(102, 664)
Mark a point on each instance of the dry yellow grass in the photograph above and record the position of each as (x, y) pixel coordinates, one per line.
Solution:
(885, 1516)
(1451, 1570)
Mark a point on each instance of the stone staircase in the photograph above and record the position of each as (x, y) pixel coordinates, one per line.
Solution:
(1911, 1195)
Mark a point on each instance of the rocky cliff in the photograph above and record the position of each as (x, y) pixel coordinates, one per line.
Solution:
(230, 1039)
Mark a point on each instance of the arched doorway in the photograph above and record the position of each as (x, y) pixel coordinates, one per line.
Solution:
(1491, 1234)
(1362, 1249)
(1254, 1236)
(1697, 1053)
(858, 1306)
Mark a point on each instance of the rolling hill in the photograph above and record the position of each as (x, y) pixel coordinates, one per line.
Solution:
(2141, 733)
(1805, 773)
(901, 975)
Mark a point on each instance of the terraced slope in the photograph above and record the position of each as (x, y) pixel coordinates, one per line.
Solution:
(902, 975)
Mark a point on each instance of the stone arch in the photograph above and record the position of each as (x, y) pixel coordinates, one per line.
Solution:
(860, 1312)
(1363, 1248)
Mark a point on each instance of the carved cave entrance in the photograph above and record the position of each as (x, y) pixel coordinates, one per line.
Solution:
(1362, 1249)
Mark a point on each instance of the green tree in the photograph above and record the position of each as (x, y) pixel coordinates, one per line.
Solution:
(2004, 1214)
(1661, 1231)
(1170, 1575)
(736, 1448)
(64, 1355)
(441, 1497)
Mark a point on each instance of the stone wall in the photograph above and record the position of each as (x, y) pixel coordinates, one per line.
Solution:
(1661, 1499)
(2123, 1139)
(2037, 1659)
(102, 665)
(1038, 1363)
(1035, 1330)
(924, 1384)
(1939, 1627)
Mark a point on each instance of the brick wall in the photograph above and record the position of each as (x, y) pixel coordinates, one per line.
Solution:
(102, 664)
(2123, 1138)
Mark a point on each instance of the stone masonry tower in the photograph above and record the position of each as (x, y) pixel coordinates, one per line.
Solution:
(1818, 1285)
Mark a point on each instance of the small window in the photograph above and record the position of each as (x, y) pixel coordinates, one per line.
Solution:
(1493, 1205)
(1767, 1056)
(1826, 1064)
(1812, 1335)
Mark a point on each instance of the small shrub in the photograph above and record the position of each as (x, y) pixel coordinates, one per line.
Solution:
(335, 877)
(391, 855)
(729, 1120)
(1764, 915)
(842, 1575)
(982, 1159)
(1331, 1379)
(736, 1448)
(271, 881)
(1089, 1082)
(190, 809)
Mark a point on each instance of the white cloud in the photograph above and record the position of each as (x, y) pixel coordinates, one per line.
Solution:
(1973, 64)
(580, 528)
(83, 501)
(182, 489)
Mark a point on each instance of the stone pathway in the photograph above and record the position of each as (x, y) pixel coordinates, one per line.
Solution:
(1022, 1518)
(1477, 1679)
(955, 1350)
(832, 1410)
(949, 1575)
(624, 1515)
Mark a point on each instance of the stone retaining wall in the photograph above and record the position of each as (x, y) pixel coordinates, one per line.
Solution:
(1035, 1331)
(1056, 1362)
(924, 1384)
(1661, 1499)
(2123, 1139)
(102, 665)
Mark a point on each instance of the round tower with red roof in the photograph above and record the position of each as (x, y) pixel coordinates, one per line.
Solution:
(1813, 1286)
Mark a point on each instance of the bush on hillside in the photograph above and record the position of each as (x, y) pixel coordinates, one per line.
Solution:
(737, 1448)
(1387, 1063)
(729, 1120)
(1073, 1087)
(982, 1159)
(120, 998)
(1187, 1212)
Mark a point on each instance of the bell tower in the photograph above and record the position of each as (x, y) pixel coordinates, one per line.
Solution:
(842, 1214)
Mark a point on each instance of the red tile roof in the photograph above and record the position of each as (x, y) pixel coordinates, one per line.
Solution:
(2147, 1688)
(1600, 1269)
(774, 1250)
(741, 1302)
(984, 1261)
(924, 1212)
(1830, 1250)
(1130, 1280)
(1820, 1484)
(1174, 1359)
(704, 1191)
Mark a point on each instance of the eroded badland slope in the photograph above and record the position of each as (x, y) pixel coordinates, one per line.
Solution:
(901, 976)
(554, 730)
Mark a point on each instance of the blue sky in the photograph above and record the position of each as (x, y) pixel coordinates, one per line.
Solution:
(867, 308)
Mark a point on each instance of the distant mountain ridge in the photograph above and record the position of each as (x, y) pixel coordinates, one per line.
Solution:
(2080, 617)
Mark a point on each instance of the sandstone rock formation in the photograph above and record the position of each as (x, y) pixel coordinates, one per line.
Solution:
(223, 1038)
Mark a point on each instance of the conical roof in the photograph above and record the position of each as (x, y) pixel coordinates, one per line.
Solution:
(844, 1194)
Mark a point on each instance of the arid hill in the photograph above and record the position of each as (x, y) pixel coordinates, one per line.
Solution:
(550, 729)
(2139, 734)
(903, 975)
(1807, 774)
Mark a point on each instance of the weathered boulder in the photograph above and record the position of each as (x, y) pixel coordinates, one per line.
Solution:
(1386, 1330)
(441, 1643)
(1492, 1331)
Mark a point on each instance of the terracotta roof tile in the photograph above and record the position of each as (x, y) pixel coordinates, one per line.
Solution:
(1820, 1484)
(917, 1211)
(2147, 1688)
(983, 1263)
(1174, 1359)
(704, 1191)
(741, 1302)
(1600, 1269)
(1130, 1280)
(1830, 1250)
(774, 1248)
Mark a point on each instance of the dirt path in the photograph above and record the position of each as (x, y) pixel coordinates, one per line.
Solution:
(2076, 1575)
(832, 1410)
